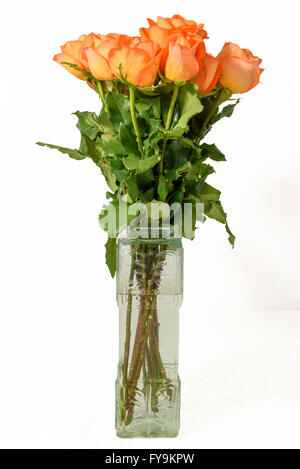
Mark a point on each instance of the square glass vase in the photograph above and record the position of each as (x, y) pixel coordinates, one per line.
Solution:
(149, 295)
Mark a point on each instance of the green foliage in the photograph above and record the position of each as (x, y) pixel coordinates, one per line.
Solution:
(118, 110)
(148, 107)
(133, 162)
(112, 147)
(174, 165)
(88, 124)
(128, 139)
(227, 111)
(197, 169)
(175, 173)
(208, 192)
(162, 188)
(111, 255)
(177, 154)
(190, 104)
(215, 211)
(77, 155)
(212, 152)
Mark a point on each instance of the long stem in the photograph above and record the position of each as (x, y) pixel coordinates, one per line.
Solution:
(168, 124)
(134, 121)
(151, 304)
(128, 319)
(148, 265)
(101, 93)
(147, 325)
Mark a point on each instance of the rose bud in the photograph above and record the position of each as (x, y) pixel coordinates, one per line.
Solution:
(138, 64)
(208, 74)
(240, 70)
(181, 63)
(70, 54)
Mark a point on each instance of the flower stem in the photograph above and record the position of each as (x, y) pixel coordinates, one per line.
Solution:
(151, 265)
(168, 124)
(101, 93)
(128, 319)
(134, 121)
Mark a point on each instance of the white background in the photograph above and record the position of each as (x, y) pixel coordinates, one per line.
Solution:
(240, 321)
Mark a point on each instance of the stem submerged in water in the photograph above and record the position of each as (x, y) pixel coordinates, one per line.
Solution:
(147, 266)
(128, 334)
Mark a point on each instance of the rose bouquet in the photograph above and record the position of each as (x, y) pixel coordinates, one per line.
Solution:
(161, 93)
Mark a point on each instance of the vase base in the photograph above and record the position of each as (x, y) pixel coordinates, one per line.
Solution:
(145, 429)
(146, 422)
(146, 435)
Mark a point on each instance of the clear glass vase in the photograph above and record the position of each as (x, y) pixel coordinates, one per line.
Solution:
(149, 295)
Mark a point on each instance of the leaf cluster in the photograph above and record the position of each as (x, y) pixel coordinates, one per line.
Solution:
(109, 139)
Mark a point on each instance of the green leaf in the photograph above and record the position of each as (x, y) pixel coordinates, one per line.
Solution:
(111, 255)
(209, 193)
(190, 104)
(109, 176)
(128, 139)
(145, 179)
(215, 211)
(88, 124)
(212, 152)
(105, 124)
(175, 133)
(199, 169)
(93, 149)
(132, 162)
(118, 169)
(118, 110)
(162, 188)
(77, 155)
(227, 111)
(82, 147)
(201, 191)
(113, 147)
(175, 173)
(177, 154)
(147, 196)
(231, 237)
(163, 134)
(144, 105)
(133, 188)
(177, 197)
(155, 125)
(161, 89)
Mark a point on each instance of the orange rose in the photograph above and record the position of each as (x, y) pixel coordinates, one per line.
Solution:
(190, 41)
(180, 57)
(70, 53)
(97, 64)
(208, 74)
(240, 70)
(139, 62)
(161, 30)
(96, 58)
(90, 52)
(90, 40)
